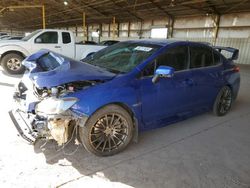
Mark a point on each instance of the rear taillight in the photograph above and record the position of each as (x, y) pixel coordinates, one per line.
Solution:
(236, 69)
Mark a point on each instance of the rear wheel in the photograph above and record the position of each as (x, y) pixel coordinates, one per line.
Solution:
(223, 101)
(108, 131)
(12, 63)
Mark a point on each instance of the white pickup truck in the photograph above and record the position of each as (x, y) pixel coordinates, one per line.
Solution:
(61, 41)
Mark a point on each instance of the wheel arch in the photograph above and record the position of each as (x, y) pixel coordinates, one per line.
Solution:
(234, 84)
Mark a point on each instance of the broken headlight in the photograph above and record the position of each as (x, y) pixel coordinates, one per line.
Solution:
(52, 106)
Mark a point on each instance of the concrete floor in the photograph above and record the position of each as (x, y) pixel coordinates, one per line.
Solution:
(204, 151)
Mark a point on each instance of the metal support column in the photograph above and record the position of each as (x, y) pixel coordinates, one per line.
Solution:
(84, 26)
(216, 29)
(170, 27)
(43, 16)
(109, 31)
(113, 28)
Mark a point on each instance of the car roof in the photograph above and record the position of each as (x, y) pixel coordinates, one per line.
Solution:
(164, 42)
(62, 30)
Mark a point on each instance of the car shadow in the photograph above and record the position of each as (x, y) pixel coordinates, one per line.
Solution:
(150, 143)
(88, 164)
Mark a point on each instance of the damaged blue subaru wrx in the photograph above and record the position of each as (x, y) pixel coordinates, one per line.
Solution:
(121, 90)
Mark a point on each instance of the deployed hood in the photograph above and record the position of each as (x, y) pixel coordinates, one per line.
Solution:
(49, 69)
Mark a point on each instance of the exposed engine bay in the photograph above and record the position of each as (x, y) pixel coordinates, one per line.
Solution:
(61, 90)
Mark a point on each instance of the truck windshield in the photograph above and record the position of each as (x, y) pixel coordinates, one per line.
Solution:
(122, 57)
(28, 37)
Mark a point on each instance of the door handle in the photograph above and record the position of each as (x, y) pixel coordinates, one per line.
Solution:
(188, 82)
(215, 75)
(57, 46)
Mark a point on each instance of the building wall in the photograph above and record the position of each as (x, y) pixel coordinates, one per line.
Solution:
(233, 30)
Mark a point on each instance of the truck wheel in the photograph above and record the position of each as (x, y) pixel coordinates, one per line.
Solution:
(108, 131)
(223, 101)
(12, 63)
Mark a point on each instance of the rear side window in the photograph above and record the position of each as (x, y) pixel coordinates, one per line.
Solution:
(49, 37)
(66, 38)
(200, 57)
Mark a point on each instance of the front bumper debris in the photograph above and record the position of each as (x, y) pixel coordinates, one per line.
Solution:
(23, 125)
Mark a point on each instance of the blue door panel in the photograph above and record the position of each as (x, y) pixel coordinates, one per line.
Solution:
(167, 98)
(207, 83)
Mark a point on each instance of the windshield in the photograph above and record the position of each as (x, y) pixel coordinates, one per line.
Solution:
(122, 57)
(28, 37)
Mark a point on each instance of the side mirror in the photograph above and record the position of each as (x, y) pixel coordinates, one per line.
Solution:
(163, 72)
(38, 40)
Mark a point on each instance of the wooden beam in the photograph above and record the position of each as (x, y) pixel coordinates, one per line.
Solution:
(235, 6)
(160, 8)
(127, 10)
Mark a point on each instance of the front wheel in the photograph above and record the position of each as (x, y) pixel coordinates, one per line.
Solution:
(223, 101)
(12, 63)
(108, 131)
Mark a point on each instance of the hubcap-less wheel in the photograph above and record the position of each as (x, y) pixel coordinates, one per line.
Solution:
(14, 64)
(223, 101)
(109, 133)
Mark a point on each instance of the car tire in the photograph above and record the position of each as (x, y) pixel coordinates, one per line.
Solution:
(223, 101)
(12, 63)
(108, 131)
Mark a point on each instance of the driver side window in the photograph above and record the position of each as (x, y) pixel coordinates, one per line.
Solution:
(176, 57)
(47, 38)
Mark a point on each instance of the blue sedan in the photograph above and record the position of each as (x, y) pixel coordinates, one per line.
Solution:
(121, 90)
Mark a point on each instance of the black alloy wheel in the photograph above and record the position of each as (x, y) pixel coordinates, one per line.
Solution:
(223, 101)
(108, 131)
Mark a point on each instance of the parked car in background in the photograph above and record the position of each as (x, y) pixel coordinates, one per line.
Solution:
(87, 42)
(61, 41)
(3, 33)
(109, 42)
(15, 38)
(125, 88)
(4, 37)
(7, 37)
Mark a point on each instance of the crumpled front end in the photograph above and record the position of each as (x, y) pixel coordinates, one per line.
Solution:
(43, 96)
(45, 112)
